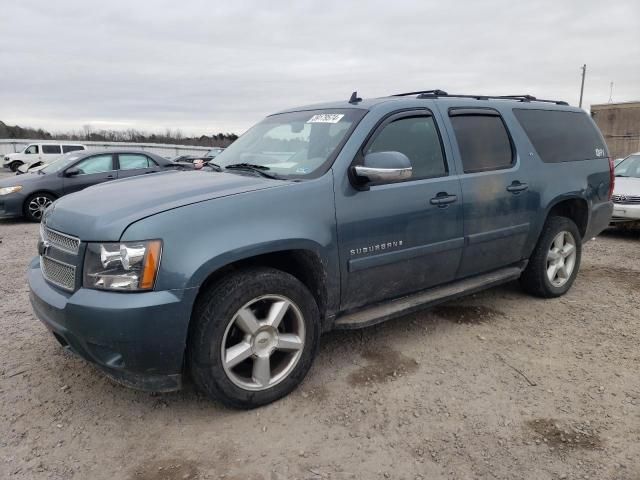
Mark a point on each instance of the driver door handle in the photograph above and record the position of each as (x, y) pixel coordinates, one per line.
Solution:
(517, 187)
(443, 199)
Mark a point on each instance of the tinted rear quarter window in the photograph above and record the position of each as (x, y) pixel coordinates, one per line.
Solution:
(561, 136)
(50, 148)
(483, 141)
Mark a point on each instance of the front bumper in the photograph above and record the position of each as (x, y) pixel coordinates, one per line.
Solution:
(138, 339)
(625, 213)
(11, 205)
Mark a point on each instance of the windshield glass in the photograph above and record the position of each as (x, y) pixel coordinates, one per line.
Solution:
(61, 163)
(293, 145)
(629, 167)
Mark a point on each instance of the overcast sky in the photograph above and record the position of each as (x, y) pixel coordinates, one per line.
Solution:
(210, 66)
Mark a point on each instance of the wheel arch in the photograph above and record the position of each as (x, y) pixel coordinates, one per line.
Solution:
(305, 264)
(575, 208)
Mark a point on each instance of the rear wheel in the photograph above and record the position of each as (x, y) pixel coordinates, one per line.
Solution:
(254, 338)
(554, 264)
(36, 204)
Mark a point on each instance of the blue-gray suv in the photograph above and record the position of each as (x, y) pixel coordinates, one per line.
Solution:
(334, 216)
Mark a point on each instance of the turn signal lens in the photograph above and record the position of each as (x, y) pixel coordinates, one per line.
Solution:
(151, 263)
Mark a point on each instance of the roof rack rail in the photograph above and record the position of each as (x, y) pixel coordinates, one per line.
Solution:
(441, 93)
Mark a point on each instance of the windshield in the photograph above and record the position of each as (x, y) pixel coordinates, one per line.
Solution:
(629, 167)
(61, 163)
(293, 145)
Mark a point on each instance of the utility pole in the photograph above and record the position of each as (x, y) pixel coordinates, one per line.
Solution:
(611, 92)
(584, 72)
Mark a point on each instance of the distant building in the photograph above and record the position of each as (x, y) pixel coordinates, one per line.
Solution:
(620, 125)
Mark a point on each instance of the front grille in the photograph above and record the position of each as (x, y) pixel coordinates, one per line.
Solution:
(60, 240)
(61, 274)
(626, 199)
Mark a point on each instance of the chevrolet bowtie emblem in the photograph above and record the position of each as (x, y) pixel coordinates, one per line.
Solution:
(43, 247)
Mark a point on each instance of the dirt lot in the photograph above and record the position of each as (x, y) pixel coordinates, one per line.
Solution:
(499, 385)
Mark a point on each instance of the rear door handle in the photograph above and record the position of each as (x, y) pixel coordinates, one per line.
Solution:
(110, 177)
(443, 199)
(517, 187)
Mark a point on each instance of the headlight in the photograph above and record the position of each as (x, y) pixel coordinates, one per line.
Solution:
(129, 266)
(8, 190)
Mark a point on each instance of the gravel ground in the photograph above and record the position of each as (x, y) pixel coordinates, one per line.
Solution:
(498, 385)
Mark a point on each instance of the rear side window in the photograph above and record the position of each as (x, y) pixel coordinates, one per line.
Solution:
(71, 148)
(416, 137)
(483, 141)
(50, 148)
(131, 161)
(561, 136)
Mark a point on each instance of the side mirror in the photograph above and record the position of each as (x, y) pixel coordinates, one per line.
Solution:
(72, 172)
(384, 167)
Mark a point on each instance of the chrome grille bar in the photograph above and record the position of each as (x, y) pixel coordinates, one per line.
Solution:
(626, 199)
(59, 240)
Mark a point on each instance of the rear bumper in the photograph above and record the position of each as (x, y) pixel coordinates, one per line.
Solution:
(600, 219)
(138, 339)
(625, 213)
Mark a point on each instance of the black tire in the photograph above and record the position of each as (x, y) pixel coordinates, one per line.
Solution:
(40, 197)
(215, 311)
(15, 165)
(534, 279)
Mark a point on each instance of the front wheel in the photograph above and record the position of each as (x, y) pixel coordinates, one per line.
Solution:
(13, 166)
(554, 264)
(255, 336)
(36, 204)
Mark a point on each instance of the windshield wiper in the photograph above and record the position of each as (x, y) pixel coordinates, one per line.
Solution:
(215, 166)
(259, 169)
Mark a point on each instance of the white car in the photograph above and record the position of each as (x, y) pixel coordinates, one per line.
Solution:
(39, 153)
(626, 193)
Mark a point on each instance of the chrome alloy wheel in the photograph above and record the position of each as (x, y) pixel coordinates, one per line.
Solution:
(561, 259)
(263, 342)
(37, 206)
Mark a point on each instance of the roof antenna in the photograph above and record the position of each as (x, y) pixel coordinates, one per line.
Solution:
(354, 98)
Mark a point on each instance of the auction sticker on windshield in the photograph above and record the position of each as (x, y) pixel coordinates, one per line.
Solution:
(326, 118)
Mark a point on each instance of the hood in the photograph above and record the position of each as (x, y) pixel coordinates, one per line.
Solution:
(24, 180)
(627, 186)
(103, 212)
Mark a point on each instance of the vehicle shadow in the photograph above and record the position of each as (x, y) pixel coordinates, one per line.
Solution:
(14, 221)
(339, 352)
(624, 232)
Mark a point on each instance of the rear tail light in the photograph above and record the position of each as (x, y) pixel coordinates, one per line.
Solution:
(612, 177)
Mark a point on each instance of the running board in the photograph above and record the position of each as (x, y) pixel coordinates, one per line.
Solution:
(428, 298)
